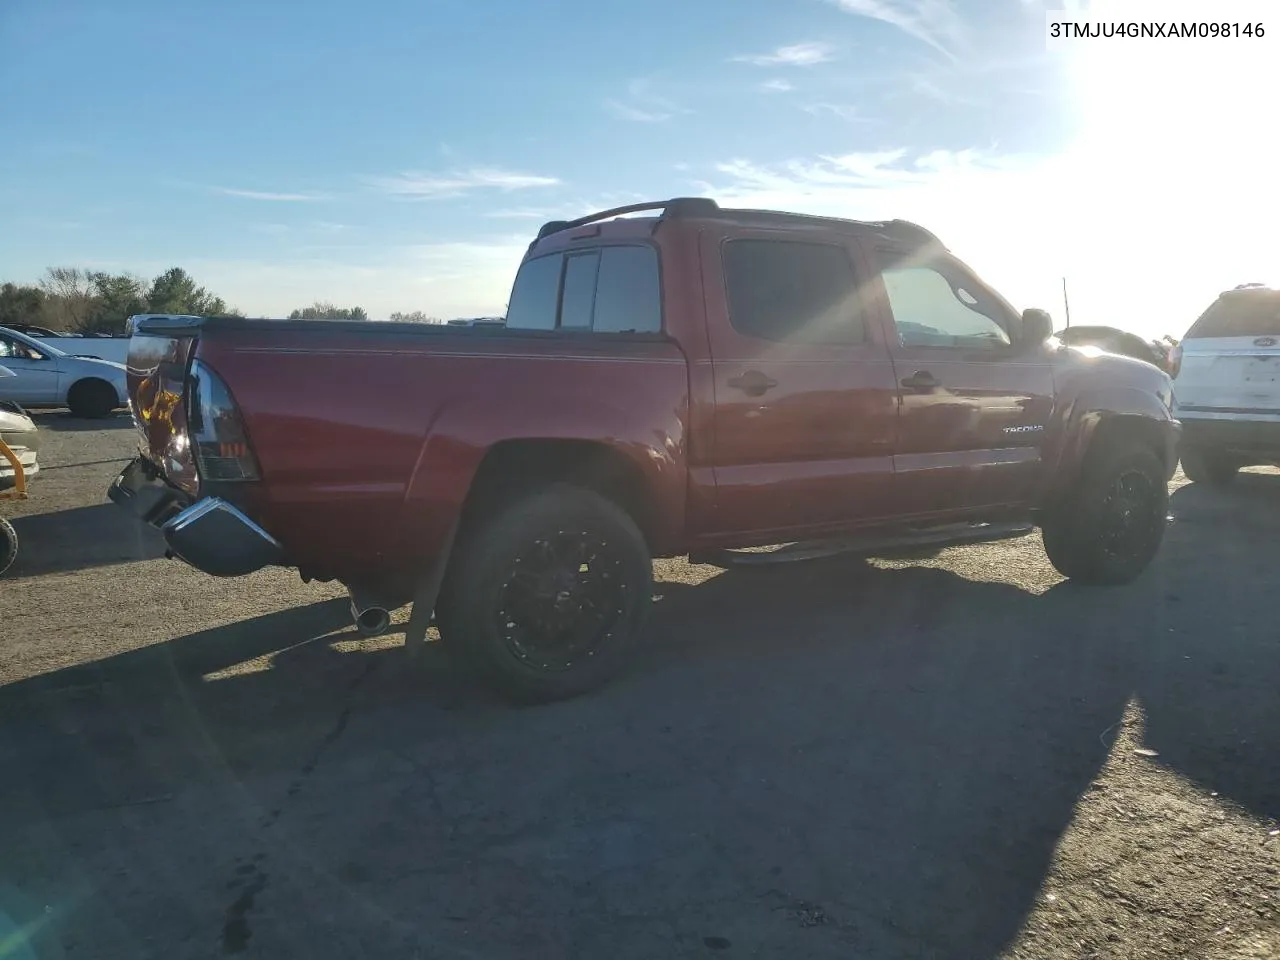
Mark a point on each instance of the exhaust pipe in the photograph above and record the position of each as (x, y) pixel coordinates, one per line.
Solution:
(371, 607)
(371, 621)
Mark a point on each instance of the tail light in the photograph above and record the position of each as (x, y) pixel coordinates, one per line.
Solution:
(1175, 361)
(157, 371)
(216, 430)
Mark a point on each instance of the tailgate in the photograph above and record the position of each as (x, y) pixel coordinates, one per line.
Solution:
(1230, 376)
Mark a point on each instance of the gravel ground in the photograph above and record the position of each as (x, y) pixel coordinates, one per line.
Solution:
(963, 757)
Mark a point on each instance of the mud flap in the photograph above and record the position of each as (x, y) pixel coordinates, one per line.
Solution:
(424, 599)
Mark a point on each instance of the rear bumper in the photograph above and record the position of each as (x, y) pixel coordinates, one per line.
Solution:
(208, 533)
(1256, 440)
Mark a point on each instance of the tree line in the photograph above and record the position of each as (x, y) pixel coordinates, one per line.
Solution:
(76, 300)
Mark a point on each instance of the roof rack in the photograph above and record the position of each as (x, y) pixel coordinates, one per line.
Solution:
(689, 207)
(901, 230)
(672, 209)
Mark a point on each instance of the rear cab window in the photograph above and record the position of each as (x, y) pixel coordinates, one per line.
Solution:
(608, 289)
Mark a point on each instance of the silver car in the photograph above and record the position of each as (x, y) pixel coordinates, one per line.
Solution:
(47, 376)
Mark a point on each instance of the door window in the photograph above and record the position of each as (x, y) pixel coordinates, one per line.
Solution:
(17, 350)
(934, 309)
(785, 290)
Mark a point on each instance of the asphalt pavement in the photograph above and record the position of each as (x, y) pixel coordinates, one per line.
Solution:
(961, 757)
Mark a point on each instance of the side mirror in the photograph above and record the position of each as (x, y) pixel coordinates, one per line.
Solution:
(1037, 326)
(6, 372)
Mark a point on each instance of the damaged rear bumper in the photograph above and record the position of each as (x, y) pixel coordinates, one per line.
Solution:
(209, 533)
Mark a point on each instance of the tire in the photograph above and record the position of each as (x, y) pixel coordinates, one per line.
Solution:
(92, 399)
(8, 545)
(1107, 531)
(1208, 468)
(509, 629)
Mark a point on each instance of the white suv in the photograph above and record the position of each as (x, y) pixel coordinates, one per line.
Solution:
(1227, 385)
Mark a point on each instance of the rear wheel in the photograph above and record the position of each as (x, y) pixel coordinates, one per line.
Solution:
(546, 599)
(92, 399)
(1207, 467)
(1109, 528)
(8, 544)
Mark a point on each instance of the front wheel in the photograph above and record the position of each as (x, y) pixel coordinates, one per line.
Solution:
(1108, 530)
(92, 399)
(8, 545)
(547, 597)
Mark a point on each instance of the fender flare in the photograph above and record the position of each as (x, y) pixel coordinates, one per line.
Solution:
(1082, 417)
(461, 434)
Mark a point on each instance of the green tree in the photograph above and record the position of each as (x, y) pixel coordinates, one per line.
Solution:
(323, 310)
(417, 316)
(117, 297)
(175, 291)
(20, 304)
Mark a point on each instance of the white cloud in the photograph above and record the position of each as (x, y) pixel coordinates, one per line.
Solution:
(794, 55)
(271, 196)
(643, 104)
(777, 86)
(521, 213)
(568, 210)
(625, 111)
(839, 110)
(933, 22)
(927, 87)
(429, 186)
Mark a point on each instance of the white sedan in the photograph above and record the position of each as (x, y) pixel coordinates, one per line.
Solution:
(45, 376)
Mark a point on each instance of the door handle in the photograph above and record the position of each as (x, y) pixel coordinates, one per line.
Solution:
(921, 380)
(753, 383)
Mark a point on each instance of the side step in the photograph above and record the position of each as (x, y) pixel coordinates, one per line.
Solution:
(885, 544)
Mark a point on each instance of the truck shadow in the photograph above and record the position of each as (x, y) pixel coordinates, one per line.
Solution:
(99, 535)
(820, 759)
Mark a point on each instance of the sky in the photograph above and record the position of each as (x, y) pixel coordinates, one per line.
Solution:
(400, 154)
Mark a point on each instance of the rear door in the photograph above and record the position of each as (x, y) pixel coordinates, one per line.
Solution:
(36, 379)
(804, 410)
(1231, 359)
(973, 409)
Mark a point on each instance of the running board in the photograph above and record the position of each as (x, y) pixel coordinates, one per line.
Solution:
(953, 535)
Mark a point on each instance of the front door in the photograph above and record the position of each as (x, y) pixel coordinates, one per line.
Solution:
(804, 390)
(973, 408)
(36, 373)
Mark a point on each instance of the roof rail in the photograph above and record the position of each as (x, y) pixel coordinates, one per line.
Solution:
(688, 207)
(672, 209)
(900, 230)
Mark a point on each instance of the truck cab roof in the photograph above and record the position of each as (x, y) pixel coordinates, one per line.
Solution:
(616, 222)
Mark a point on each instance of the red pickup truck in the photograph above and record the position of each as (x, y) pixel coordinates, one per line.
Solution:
(694, 381)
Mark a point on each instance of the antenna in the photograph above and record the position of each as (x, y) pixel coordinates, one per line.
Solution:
(1065, 302)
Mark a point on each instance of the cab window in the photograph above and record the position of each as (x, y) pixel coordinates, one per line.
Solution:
(612, 289)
